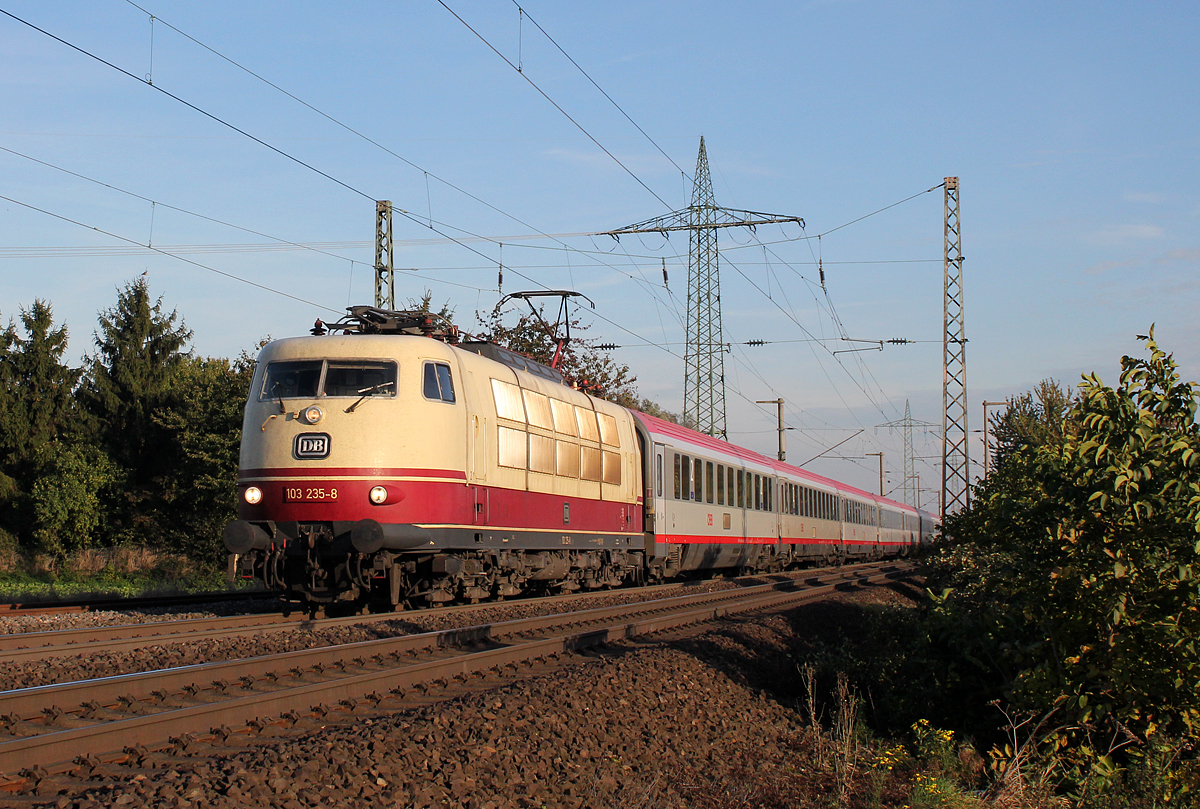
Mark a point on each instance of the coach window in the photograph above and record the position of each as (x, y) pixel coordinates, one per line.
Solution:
(698, 486)
(729, 483)
(438, 384)
(758, 493)
(708, 482)
(720, 484)
(770, 494)
(741, 489)
(687, 478)
(658, 475)
(677, 476)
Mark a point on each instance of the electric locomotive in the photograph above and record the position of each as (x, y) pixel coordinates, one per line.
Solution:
(378, 464)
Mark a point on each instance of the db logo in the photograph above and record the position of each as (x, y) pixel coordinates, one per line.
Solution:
(310, 446)
(710, 519)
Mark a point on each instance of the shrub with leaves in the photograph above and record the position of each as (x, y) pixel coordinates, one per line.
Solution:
(1073, 577)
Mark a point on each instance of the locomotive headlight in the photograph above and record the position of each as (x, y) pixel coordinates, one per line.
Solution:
(252, 495)
(313, 414)
(378, 494)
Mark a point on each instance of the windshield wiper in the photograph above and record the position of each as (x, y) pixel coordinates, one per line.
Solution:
(368, 392)
(279, 395)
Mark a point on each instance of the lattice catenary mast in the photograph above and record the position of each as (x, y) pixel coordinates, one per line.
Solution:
(385, 274)
(704, 359)
(956, 490)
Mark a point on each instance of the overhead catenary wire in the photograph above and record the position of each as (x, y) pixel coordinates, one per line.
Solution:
(263, 287)
(187, 104)
(554, 103)
(570, 59)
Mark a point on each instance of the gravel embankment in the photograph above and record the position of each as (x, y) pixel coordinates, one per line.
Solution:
(700, 720)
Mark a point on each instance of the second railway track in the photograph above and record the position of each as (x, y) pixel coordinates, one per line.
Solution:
(49, 727)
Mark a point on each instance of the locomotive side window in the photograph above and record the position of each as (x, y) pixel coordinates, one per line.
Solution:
(508, 402)
(591, 467)
(708, 482)
(541, 454)
(677, 476)
(612, 468)
(587, 424)
(537, 407)
(608, 430)
(720, 485)
(511, 444)
(289, 380)
(439, 386)
(564, 417)
(568, 461)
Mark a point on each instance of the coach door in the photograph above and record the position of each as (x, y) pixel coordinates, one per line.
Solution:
(656, 490)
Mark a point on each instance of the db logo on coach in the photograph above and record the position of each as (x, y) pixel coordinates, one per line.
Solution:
(311, 446)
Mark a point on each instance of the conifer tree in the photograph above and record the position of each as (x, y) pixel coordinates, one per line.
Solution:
(139, 350)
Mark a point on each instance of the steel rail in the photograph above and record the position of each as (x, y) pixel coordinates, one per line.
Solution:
(58, 747)
(48, 644)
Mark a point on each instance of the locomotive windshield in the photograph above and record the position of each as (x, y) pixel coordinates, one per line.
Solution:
(309, 379)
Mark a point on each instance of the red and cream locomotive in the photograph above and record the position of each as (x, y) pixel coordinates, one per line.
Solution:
(379, 464)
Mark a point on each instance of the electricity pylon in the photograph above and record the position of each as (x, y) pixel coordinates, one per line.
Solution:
(956, 488)
(704, 359)
(905, 425)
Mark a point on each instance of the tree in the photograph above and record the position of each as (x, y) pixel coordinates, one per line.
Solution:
(38, 412)
(203, 419)
(37, 403)
(1032, 419)
(139, 351)
(1074, 577)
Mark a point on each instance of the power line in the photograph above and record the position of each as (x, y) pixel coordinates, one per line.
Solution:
(601, 89)
(172, 255)
(284, 243)
(188, 104)
(543, 94)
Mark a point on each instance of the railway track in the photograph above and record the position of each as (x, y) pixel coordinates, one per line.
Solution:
(16, 647)
(57, 728)
(133, 603)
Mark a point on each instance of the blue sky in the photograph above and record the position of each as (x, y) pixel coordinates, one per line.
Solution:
(1073, 128)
